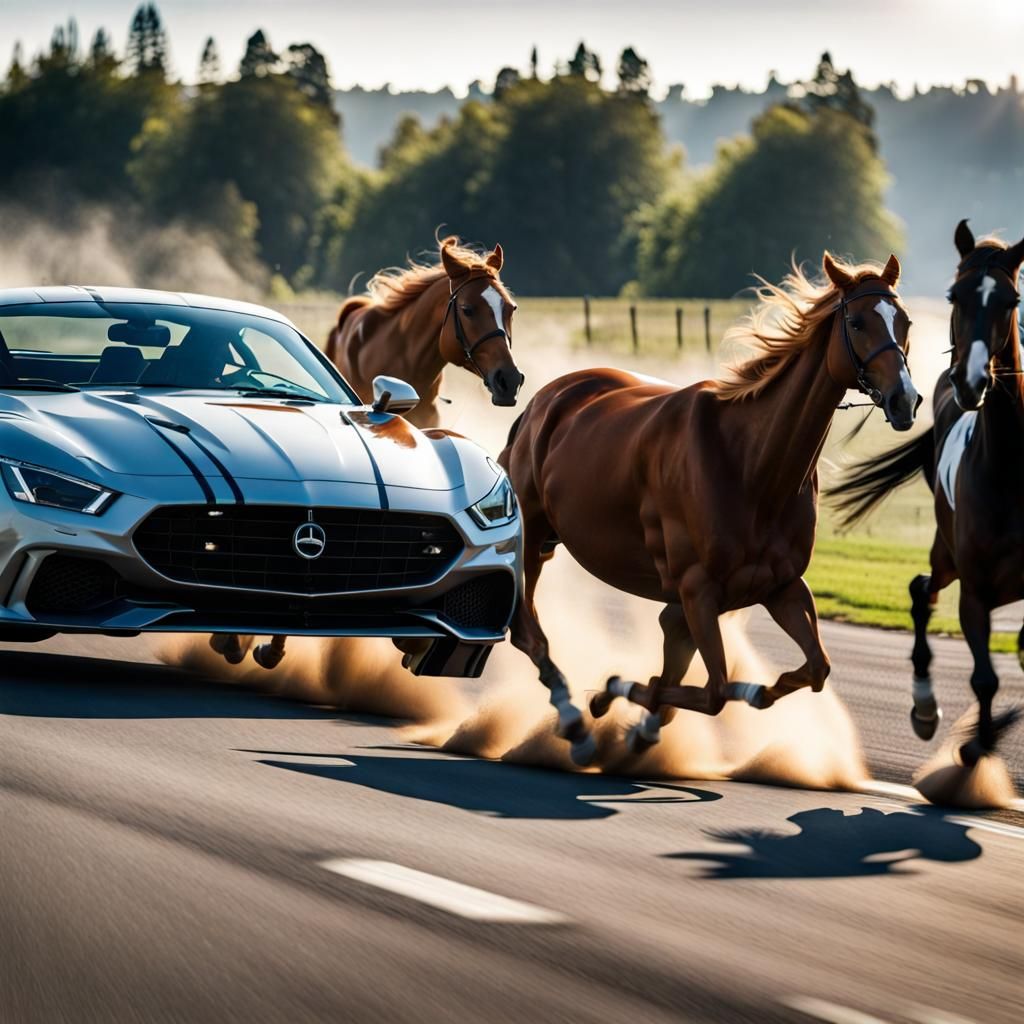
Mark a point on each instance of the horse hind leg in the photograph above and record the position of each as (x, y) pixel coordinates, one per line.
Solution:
(925, 715)
(269, 656)
(231, 647)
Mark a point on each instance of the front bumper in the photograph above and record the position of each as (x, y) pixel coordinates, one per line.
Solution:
(471, 603)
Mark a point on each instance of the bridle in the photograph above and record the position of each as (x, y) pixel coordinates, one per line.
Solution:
(860, 366)
(986, 267)
(460, 335)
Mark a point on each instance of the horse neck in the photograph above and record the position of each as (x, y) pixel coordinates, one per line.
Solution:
(420, 324)
(1001, 420)
(789, 422)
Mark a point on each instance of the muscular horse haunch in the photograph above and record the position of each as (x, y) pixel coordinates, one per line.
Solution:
(705, 498)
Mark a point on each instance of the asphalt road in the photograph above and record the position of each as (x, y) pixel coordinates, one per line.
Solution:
(175, 849)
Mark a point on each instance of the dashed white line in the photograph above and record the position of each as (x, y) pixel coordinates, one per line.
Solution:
(831, 1013)
(453, 897)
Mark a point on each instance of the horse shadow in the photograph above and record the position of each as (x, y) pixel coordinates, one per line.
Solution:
(492, 788)
(831, 844)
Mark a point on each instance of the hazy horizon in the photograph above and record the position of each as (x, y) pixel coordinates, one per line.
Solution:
(411, 45)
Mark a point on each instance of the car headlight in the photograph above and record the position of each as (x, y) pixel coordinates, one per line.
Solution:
(37, 486)
(498, 508)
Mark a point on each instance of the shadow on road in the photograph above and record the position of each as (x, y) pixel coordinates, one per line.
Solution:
(491, 787)
(831, 844)
(61, 686)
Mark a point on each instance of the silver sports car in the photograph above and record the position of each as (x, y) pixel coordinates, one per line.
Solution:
(181, 463)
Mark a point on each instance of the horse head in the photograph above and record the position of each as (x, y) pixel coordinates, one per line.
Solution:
(477, 329)
(871, 340)
(985, 299)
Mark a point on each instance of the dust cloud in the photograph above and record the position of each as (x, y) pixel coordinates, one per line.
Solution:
(51, 243)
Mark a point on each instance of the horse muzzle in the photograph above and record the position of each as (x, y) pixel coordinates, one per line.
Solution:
(504, 386)
(901, 404)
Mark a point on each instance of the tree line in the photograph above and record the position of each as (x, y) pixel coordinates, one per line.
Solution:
(576, 180)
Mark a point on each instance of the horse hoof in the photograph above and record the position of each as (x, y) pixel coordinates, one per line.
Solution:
(925, 728)
(266, 657)
(601, 703)
(583, 751)
(636, 742)
(228, 647)
(570, 722)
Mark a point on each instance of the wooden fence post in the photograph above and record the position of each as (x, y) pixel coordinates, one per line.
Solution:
(707, 328)
(632, 326)
(679, 328)
(586, 317)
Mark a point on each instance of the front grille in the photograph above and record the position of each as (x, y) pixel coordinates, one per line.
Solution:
(67, 584)
(250, 547)
(481, 603)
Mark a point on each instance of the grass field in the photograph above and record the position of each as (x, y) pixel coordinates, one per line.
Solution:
(860, 576)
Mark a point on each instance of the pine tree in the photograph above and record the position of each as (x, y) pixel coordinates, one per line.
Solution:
(533, 63)
(259, 59)
(507, 78)
(209, 63)
(101, 52)
(16, 75)
(147, 41)
(308, 68)
(585, 64)
(634, 73)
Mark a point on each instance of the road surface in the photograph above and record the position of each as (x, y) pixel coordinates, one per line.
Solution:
(175, 849)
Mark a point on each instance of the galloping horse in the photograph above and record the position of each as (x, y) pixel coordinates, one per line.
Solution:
(410, 325)
(973, 460)
(705, 497)
(414, 322)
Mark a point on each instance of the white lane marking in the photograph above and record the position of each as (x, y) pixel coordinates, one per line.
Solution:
(493, 299)
(874, 787)
(953, 448)
(832, 1013)
(453, 897)
(926, 1015)
(977, 363)
(986, 288)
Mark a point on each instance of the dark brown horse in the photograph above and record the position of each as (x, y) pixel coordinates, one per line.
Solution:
(973, 459)
(414, 322)
(705, 498)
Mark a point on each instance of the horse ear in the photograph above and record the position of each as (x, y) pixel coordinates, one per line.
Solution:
(839, 277)
(891, 273)
(454, 267)
(964, 238)
(1014, 256)
(496, 258)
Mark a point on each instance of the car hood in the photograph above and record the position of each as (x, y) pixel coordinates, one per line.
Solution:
(225, 438)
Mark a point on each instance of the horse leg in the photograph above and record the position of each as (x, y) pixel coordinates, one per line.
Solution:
(231, 647)
(270, 655)
(529, 637)
(793, 610)
(926, 715)
(976, 623)
(678, 650)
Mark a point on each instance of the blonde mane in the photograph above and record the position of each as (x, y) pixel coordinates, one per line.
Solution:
(786, 320)
(394, 288)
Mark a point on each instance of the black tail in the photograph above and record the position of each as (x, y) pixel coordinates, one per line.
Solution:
(868, 482)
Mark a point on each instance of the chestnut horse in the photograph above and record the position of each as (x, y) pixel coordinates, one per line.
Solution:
(414, 322)
(704, 498)
(973, 460)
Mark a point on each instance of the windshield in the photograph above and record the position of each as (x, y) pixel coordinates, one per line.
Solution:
(68, 345)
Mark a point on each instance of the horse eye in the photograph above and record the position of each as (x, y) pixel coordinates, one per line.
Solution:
(468, 310)
(949, 295)
(856, 323)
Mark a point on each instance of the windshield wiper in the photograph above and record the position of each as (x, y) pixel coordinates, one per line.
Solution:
(302, 396)
(39, 385)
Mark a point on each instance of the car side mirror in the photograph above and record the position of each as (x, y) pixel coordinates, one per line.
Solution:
(393, 395)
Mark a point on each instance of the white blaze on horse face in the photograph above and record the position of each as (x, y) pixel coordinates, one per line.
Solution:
(977, 364)
(986, 288)
(887, 311)
(493, 299)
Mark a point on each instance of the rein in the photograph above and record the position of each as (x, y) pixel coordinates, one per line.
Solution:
(460, 335)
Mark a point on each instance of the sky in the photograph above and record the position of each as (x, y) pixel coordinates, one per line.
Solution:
(427, 44)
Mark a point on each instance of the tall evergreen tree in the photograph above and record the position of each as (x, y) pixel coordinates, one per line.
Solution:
(101, 52)
(585, 64)
(147, 41)
(533, 63)
(307, 67)
(209, 63)
(634, 73)
(259, 60)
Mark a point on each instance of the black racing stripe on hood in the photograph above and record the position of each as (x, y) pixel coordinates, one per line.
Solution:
(221, 468)
(382, 492)
(204, 484)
